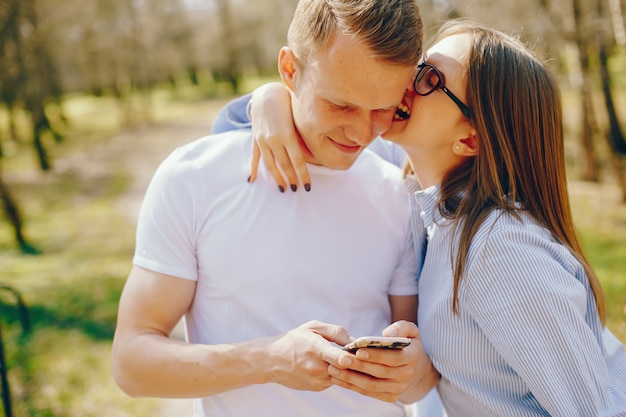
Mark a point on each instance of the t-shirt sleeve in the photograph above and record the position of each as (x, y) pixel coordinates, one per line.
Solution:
(404, 281)
(165, 240)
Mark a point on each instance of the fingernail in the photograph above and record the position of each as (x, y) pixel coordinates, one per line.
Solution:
(362, 354)
(345, 361)
(249, 176)
(307, 187)
(281, 188)
(294, 187)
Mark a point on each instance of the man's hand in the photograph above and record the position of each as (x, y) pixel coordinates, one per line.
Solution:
(300, 358)
(389, 375)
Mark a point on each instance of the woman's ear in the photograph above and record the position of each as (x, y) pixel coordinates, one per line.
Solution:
(287, 66)
(466, 146)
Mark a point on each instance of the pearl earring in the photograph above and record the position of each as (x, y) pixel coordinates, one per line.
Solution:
(457, 147)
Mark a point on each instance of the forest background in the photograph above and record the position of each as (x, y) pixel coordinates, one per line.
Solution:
(93, 94)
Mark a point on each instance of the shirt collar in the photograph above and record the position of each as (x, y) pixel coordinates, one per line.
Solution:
(428, 200)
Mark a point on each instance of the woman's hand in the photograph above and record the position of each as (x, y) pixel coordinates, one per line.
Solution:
(387, 374)
(276, 139)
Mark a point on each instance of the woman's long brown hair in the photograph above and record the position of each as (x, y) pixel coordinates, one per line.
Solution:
(517, 113)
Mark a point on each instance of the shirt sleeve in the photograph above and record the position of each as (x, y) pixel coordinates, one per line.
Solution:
(531, 299)
(233, 116)
(404, 281)
(165, 240)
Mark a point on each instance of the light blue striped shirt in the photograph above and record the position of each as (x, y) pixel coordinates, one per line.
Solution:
(527, 340)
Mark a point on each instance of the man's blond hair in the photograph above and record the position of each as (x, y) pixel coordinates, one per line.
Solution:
(392, 29)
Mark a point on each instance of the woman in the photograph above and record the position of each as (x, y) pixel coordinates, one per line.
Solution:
(511, 312)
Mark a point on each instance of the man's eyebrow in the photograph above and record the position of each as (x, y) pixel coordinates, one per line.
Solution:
(339, 102)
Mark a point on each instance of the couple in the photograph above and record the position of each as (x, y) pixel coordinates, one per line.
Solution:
(510, 313)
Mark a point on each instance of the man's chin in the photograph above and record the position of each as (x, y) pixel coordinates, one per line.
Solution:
(342, 164)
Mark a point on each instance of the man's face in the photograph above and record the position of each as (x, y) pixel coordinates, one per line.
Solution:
(342, 99)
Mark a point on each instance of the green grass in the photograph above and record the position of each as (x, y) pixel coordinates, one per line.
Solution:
(601, 221)
(72, 289)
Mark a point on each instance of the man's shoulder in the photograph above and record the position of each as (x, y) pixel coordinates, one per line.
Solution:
(222, 140)
(205, 149)
(213, 156)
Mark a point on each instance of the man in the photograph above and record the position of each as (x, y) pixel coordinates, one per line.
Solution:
(270, 286)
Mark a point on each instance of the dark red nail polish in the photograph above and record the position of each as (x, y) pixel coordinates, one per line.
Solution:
(307, 187)
(281, 188)
(250, 176)
(294, 187)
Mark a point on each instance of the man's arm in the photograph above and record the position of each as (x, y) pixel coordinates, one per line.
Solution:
(403, 307)
(146, 362)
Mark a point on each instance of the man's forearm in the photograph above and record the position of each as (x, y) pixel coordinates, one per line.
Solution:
(152, 365)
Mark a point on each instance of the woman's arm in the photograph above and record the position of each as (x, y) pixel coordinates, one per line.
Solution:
(233, 116)
(530, 299)
(275, 136)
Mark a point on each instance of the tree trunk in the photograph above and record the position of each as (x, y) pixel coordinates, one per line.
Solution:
(13, 136)
(616, 137)
(588, 121)
(588, 128)
(589, 125)
(13, 216)
(232, 72)
(42, 85)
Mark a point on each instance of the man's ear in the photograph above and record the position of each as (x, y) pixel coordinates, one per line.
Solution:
(287, 66)
(467, 146)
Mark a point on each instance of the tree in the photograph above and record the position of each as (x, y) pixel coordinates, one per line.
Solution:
(615, 136)
(588, 120)
(41, 81)
(12, 213)
(11, 85)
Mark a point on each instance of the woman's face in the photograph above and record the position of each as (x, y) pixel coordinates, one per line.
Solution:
(436, 122)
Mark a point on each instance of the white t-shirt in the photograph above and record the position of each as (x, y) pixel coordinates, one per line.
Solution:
(267, 262)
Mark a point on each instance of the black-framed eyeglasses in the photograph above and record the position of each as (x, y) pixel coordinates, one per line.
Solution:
(429, 79)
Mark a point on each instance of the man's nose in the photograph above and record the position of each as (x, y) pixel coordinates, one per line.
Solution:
(364, 128)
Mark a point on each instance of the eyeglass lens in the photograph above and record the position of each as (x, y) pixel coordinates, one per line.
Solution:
(427, 80)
